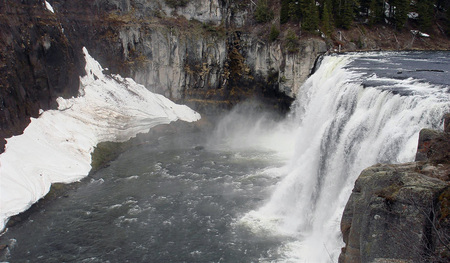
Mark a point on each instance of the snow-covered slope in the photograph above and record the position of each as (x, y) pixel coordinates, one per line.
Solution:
(57, 146)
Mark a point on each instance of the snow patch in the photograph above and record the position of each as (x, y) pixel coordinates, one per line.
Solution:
(49, 7)
(418, 33)
(413, 15)
(56, 147)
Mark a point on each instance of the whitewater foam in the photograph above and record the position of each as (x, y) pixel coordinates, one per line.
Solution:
(57, 146)
(341, 128)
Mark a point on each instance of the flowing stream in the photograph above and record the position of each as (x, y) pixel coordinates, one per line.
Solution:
(255, 188)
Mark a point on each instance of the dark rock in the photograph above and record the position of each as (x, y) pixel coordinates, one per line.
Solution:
(426, 137)
(37, 64)
(433, 146)
(199, 148)
(447, 122)
(401, 213)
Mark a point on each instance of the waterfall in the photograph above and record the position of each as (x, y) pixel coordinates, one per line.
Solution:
(341, 127)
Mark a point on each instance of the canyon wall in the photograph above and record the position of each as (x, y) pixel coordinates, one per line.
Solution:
(209, 55)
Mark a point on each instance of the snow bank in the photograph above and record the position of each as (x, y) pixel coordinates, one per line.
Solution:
(57, 146)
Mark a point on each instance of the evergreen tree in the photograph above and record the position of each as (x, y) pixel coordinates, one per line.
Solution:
(295, 12)
(284, 12)
(364, 6)
(274, 33)
(401, 12)
(326, 18)
(262, 13)
(376, 11)
(426, 13)
(291, 42)
(344, 12)
(310, 21)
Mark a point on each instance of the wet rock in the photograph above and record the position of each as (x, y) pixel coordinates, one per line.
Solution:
(447, 122)
(199, 148)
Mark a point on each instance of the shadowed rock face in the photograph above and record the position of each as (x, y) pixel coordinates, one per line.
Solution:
(37, 64)
(401, 213)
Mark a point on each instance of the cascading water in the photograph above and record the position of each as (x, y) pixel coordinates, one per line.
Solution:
(345, 121)
(170, 200)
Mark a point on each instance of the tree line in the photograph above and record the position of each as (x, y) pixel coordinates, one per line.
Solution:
(325, 15)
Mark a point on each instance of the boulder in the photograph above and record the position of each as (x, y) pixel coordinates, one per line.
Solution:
(393, 215)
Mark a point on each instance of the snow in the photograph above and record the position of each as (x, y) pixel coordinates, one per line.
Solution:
(417, 32)
(49, 7)
(57, 146)
(413, 15)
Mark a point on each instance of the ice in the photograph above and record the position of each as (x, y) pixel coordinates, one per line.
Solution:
(57, 146)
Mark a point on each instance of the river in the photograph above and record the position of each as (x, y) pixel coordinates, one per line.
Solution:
(254, 188)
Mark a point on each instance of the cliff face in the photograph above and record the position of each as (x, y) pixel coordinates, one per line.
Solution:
(203, 53)
(401, 213)
(37, 64)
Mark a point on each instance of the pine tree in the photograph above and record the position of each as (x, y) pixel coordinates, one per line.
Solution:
(347, 14)
(344, 12)
(364, 6)
(310, 21)
(376, 11)
(401, 13)
(274, 33)
(294, 11)
(426, 13)
(326, 18)
(262, 13)
(291, 42)
(284, 12)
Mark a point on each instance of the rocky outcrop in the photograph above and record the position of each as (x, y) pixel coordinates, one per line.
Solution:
(401, 213)
(37, 64)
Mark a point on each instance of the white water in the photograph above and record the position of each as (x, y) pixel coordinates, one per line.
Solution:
(340, 129)
(57, 146)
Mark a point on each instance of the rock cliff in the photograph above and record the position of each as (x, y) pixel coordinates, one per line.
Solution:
(202, 53)
(207, 54)
(401, 213)
(37, 64)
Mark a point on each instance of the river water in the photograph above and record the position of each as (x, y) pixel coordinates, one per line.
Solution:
(255, 188)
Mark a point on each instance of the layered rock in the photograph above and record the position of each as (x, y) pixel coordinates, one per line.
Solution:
(203, 53)
(401, 213)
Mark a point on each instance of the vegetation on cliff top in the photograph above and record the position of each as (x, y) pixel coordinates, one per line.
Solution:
(422, 14)
(356, 24)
